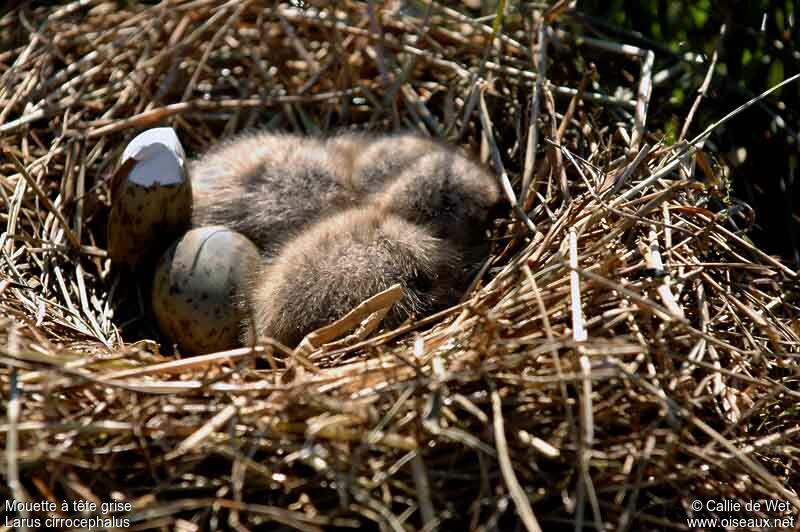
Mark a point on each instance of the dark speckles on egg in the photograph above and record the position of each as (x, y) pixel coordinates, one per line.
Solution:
(204, 314)
(144, 219)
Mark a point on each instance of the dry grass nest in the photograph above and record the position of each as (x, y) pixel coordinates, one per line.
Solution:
(625, 351)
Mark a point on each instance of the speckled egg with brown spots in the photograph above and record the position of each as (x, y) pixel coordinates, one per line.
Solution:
(151, 199)
(199, 289)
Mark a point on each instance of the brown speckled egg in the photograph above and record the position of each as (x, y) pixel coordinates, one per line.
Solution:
(199, 289)
(151, 198)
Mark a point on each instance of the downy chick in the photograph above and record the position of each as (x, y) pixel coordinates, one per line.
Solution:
(427, 231)
(270, 186)
(341, 261)
(452, 196)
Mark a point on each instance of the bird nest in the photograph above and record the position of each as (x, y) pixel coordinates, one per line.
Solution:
(625, 352)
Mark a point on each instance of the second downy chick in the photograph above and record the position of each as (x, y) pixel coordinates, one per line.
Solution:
(343, 260)
(448, 193)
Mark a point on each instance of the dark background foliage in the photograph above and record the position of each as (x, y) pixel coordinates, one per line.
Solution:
(760, 48)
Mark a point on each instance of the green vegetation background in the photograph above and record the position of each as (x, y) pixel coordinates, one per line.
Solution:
(761, 47)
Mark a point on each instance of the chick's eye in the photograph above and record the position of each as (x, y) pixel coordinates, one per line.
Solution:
(448, 204)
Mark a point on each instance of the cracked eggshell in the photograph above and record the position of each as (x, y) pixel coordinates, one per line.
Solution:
(199, 289)
(151, 198)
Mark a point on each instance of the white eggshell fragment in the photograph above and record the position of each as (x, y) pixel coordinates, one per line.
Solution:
(199, 289)
(151, 198)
